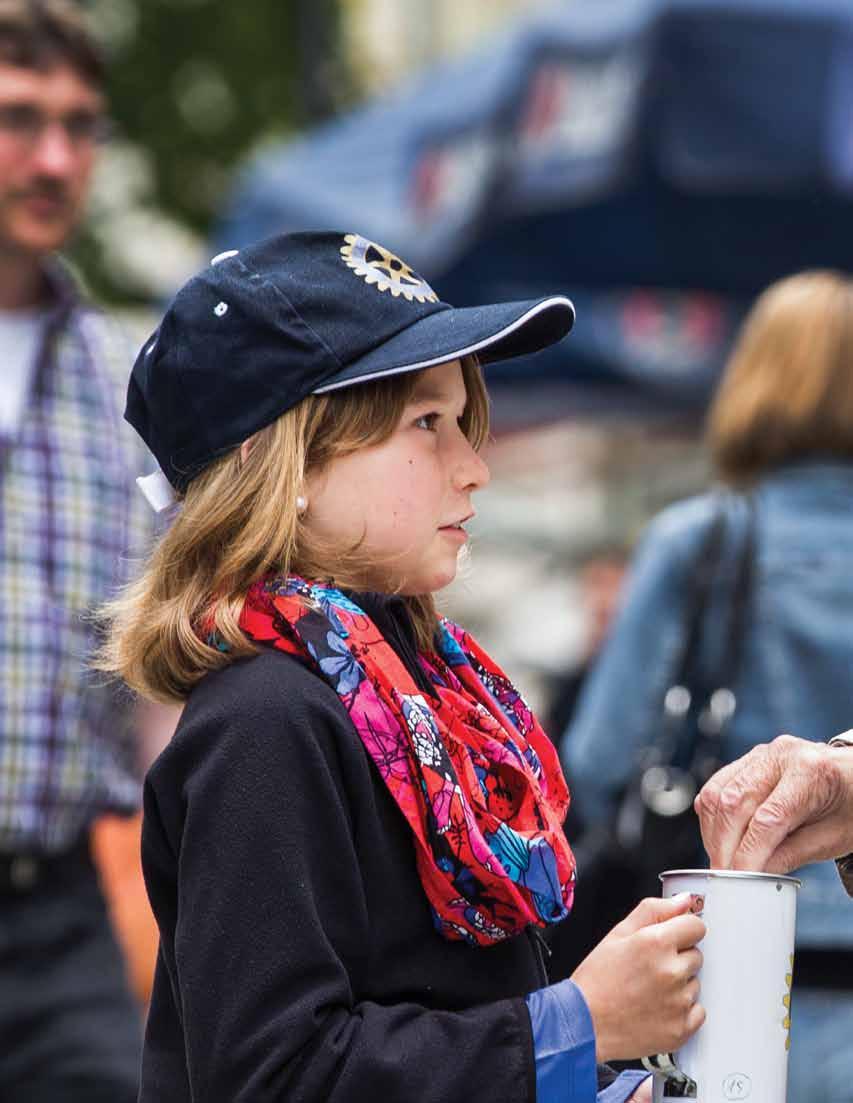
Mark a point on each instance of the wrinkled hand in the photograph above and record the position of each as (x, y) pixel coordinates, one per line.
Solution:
(643, 1094)
(640, 982)
(782, 805)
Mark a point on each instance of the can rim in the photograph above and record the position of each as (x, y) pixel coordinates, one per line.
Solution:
(731, 874)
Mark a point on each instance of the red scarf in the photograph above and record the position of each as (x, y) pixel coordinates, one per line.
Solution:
(476, 778)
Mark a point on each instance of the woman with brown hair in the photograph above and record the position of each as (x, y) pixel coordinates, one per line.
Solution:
(780, 434)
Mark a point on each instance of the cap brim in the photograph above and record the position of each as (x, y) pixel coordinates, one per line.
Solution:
(495, 332)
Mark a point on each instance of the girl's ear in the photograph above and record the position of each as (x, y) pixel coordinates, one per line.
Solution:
(245, 448)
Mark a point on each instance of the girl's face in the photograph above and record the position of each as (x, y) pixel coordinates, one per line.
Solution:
(402, 503)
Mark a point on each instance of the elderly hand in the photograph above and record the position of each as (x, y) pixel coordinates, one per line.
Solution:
(783, 804)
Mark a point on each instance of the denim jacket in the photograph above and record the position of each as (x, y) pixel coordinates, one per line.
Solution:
(796, 666)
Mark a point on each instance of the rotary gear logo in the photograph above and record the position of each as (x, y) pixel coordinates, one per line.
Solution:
(377, 266)
(786, 1000)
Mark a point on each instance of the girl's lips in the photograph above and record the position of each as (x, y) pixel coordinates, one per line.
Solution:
(455, 531)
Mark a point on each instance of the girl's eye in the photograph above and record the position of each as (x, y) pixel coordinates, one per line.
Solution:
(427, 421)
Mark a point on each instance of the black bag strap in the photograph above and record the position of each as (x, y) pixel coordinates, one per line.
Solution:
(678, 695)
(663, 784)
(690, 682)
(733, 638)
(704, 576)
(687, 746)
(721, 701)
(718, 688)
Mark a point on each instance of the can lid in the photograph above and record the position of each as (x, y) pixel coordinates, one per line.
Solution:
(731, 874)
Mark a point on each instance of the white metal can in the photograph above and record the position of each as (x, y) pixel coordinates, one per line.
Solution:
(741, 1050)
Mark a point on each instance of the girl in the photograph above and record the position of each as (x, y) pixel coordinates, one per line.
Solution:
(354, 839)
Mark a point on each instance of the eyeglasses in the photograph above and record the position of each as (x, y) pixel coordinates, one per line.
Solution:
(24, 125)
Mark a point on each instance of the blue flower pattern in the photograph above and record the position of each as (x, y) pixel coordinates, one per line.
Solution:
(342, 668)
(532, 865)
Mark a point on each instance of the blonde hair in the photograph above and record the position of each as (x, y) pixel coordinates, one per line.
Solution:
(787, 392)
(239, 521)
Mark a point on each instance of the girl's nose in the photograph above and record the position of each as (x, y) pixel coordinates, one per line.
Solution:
(472, 472)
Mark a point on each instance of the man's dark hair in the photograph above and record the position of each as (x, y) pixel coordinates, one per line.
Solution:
(38, 34)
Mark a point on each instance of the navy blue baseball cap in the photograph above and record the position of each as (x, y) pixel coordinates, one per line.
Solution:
(265, 326)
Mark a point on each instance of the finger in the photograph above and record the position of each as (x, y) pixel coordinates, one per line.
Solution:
(643, 1094)
(744, 792)
(695, 1018)
(656, 909)
(682, 932)
(691, 992)
(715, 816)
(785, 809)
(723, 775)
(728, 801)
(814, 842)
(690, 961)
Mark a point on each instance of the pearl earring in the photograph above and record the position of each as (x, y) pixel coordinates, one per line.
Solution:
(301, 504)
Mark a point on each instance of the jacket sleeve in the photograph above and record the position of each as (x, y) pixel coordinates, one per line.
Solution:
(619, 705)
(272, 924)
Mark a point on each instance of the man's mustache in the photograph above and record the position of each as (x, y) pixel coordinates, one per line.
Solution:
(44, 188)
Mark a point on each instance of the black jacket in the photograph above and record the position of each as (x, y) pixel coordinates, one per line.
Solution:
(298, 959)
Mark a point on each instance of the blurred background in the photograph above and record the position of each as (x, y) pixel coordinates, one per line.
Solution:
(659, 161)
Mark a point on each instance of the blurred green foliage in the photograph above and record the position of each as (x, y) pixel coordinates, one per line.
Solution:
(196, 84)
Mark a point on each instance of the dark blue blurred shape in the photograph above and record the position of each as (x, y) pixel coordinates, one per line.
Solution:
(661, 160)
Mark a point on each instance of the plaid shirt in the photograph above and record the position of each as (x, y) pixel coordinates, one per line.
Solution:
(70, 517)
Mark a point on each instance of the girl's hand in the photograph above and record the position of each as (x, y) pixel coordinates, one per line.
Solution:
(640, 981)
(643, 1094)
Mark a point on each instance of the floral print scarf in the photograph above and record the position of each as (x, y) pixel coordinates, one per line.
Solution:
(476, 778)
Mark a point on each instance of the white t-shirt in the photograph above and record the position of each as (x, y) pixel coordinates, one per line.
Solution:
(20, 337)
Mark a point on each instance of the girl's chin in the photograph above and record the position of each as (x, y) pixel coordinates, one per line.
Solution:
(428, 585)
(428, 580)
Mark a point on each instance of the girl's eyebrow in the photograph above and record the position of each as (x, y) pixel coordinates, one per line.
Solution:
(429, 392)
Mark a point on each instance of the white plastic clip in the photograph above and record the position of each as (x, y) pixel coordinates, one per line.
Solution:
(159, 492)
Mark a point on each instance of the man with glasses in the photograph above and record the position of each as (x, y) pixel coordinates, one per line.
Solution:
(68, 524)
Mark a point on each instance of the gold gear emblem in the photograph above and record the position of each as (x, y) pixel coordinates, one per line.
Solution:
(381, 268)
(786, 1000)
